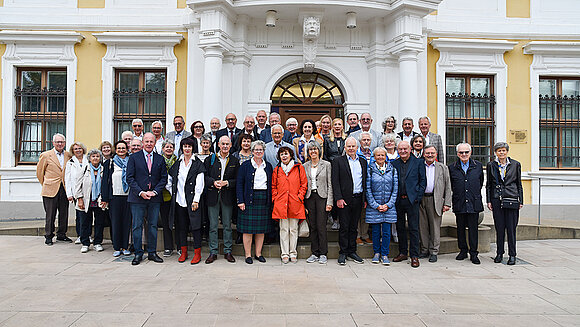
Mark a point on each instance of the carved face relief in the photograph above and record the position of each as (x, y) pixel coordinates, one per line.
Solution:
(311, 27)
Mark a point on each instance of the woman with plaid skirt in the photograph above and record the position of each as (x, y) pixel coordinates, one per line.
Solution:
(254, 193)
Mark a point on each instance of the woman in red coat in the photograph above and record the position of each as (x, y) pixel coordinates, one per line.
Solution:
(289, 185)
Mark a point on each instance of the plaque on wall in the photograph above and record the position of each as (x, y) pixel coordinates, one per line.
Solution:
(518, 136)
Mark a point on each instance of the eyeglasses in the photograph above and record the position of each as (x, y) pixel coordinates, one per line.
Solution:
(463, 152)
(197, 126)
(59, 142)
(137, 125)
(230, 119)
(365, 119)
(258, 150)
(178, 123)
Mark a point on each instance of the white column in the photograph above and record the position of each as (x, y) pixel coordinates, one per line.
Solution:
(408, 85)
(212, 88)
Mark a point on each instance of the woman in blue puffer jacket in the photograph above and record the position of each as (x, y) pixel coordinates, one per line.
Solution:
(382, 186)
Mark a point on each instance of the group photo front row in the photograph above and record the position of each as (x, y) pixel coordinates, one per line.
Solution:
(277, 183)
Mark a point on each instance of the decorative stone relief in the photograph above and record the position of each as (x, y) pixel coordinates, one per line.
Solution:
(310, 43)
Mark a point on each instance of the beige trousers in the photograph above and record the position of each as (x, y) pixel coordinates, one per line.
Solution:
(289, 237)
(363, 227)
(429, 226)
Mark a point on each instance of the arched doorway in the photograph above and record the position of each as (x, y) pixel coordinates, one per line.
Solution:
(307, 96)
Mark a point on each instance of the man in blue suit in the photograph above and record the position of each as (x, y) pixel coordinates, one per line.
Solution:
(412, 184)
(146, 176)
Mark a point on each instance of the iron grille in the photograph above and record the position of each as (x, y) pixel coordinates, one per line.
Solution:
(148, 105)
(559, 131)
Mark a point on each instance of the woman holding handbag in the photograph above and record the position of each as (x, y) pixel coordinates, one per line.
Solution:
(505, 198)
(289, 185)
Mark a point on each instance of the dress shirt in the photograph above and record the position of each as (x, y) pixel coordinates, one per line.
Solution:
(260, 129)
(117, 180)
(177, 139)
(224, 163)
(181, 177)
(271, 151)
(502, 168)
(407, 138)
(60, 156)
(430, 174)
(426, 138)
(158, 145)
(313, 171)
(140, 137)
(146, 153)
(260, 177)
(464, 166)
(356, 172)
(231, 133)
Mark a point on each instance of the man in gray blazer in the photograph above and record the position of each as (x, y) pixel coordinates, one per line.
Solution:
(178, 134)
(435, 201)
(365, 122)
(431, 138)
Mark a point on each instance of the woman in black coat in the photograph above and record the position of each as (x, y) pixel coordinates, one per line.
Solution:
(505, 198)
(186, 182)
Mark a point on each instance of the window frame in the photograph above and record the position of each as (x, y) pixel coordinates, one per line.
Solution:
(119, 117)
(464, 122)
(43, 116)
(557, 123)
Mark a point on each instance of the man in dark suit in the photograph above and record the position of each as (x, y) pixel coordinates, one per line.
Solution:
(146, 176)
(466, 182)
(431, 138)
(266, 135)
(412, 183)
(249, 128)
(349, 174)
(222, 170)
(408, 133)
(352, 122)
(261, 122)
(230, 130)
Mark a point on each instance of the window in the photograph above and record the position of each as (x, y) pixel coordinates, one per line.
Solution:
(469, 115)
(559, 122)
(40, 110)
(138, 94)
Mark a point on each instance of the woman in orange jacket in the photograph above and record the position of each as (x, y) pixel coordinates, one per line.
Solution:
(289, 185)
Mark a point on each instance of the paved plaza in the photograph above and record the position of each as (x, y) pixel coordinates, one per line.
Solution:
(59, 286)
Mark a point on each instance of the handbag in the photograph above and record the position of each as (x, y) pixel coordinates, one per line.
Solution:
(303, 230)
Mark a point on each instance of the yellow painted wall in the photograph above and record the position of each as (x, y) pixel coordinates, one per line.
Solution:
(180, 51)
(181, 4)
(432, 58)
(517, 8)
(91, 4)
(89, 91)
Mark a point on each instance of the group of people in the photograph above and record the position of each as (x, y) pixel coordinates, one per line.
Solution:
(270, 180)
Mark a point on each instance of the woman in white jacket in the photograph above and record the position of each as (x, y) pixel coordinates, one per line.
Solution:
(88, 196)
(71, 173)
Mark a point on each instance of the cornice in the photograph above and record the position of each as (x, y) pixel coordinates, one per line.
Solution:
(139, 38)
(472, 45)
(552, 48)
(39, 37)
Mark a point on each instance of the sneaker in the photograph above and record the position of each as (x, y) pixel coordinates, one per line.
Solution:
(335, 225)
(323, 259)
(376, 258)
(386, 261)
(293, 259)
(98, 247)
(355, 257)
(84, 249)
(359, 241)
(126, 252)
(312, 259)
(167, 253)
(78, 241)
(342, 259)
(116, 254)
(285, 260)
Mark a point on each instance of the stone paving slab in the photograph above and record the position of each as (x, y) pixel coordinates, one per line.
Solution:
(60, 286)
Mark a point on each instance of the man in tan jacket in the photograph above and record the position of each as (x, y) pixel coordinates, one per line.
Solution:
(50, 174)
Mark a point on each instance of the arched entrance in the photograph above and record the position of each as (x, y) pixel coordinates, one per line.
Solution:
(307, 96)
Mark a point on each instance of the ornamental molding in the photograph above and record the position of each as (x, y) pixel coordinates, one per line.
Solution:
(472, 45)
(39, 37)
(552, 48)
(310, 41)
(138, 38)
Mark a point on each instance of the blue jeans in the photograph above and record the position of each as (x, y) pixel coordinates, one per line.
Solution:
(381, 238)
(138, 211)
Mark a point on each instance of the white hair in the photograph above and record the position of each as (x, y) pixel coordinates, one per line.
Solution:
(291, 120)
(460, 144)
(137, 120)
(365, 133)
(277, 126)
(126, 133)
(425, 117)
(379, 148)
(274, 114)
(350, 138)
(58, 135)
(157, 122)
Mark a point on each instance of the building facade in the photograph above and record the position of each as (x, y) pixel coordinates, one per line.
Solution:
(483, 71)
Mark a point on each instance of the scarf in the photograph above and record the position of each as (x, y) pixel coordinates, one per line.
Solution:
(122, 163)
(382, 169)
(96, 182)
(288, 167)
(502, 168)
(169, 162)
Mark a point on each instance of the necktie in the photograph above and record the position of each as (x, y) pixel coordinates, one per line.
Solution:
(231, 135)
(149, 162)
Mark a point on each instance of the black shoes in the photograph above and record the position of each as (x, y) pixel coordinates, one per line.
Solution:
(355, 257)
(424, 255)
(260, 258)
(342, 259)
(137, 260)
(498, 258)
(461, 256)
(64, 238)
(154, 257)
(249, 260)
(511, 261)
(433, 258)
(48, 241)
(475, 260)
